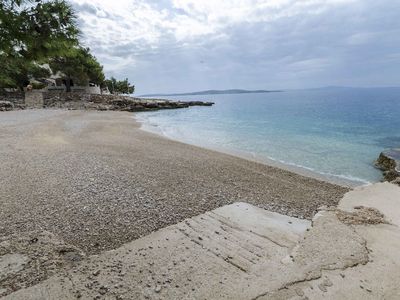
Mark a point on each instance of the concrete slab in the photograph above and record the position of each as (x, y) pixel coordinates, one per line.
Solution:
(375, 278)
(233, 252)
(384, 196)
(11, 264)
(243, 252)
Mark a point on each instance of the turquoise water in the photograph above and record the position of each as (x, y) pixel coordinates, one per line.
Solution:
(334, 132)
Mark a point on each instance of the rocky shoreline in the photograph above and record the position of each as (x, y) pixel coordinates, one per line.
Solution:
(6, 106)
(75, 101)
(389, 162)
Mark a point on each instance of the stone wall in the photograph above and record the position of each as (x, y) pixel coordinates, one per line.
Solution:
(34, 99)
(57, 98)
(52, 98)
(75, 89)
(17, 98)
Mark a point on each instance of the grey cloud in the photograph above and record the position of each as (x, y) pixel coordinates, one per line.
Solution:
(85, 8)
(352, 44)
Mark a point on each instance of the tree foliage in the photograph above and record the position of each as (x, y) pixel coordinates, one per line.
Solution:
(34, 33)
(37, 29)
(119, 86)
(78, 65)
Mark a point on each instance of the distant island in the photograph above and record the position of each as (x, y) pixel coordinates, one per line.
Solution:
(213, 92)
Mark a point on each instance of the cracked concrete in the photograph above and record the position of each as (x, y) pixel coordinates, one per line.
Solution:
(240, 251)
(376, 278)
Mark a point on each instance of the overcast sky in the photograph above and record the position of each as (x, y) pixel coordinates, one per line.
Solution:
(190, 45)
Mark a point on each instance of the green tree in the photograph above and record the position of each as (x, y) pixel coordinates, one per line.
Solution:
(30, 33)
(119, 86)
(78, 65)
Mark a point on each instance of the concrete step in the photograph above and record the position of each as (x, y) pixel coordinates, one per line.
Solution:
(243, 252)
(221, 254)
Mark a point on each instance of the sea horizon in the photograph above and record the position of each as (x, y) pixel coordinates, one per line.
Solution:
(260, 90)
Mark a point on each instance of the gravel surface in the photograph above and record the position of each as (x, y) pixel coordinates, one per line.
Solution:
(98, 181)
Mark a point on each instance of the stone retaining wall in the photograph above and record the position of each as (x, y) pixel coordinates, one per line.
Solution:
(17, 98)
(34, 99)
(57, 98)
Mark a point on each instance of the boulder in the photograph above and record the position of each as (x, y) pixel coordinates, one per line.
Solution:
(396, 181)
(389, 163)
(199, 103)
(6, 106)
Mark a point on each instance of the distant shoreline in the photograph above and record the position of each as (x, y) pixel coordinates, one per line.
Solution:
(214, 92)
(243, 91)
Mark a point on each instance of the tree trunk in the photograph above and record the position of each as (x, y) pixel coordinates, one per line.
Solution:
(68, 84)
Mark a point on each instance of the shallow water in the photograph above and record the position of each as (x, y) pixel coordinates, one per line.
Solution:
(334, 132)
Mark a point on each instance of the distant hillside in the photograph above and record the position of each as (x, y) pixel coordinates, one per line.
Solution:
(212, 92)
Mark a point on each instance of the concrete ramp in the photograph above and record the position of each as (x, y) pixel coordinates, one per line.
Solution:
(378, 277)
(222, 254)
(243, 252)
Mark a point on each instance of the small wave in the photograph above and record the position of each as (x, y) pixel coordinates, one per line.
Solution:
(173, 133)
(326, 174)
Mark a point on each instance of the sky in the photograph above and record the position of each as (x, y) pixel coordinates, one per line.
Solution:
(190, 45)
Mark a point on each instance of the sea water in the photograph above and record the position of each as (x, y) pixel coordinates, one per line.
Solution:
(334, 132)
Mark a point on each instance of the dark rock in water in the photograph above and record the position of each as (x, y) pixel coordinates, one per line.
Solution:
(389, 163)
(199, 103)
(6, 105)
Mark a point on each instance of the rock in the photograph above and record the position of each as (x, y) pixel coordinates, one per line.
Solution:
(389, 163)
(199, 103)
(390, 175)
(103, 290)
(396, 181)
(157, 289)
(114, 102)
(6, 106)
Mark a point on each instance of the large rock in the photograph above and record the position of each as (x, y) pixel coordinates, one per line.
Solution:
(6, 105)
(389, 163)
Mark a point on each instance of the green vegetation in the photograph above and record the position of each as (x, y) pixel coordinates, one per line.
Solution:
(119, 86)
(37, 34)
(78, 65)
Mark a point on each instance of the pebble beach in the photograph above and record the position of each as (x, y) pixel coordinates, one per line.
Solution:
(98, 181)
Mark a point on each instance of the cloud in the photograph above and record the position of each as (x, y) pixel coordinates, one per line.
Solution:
(175, 45)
